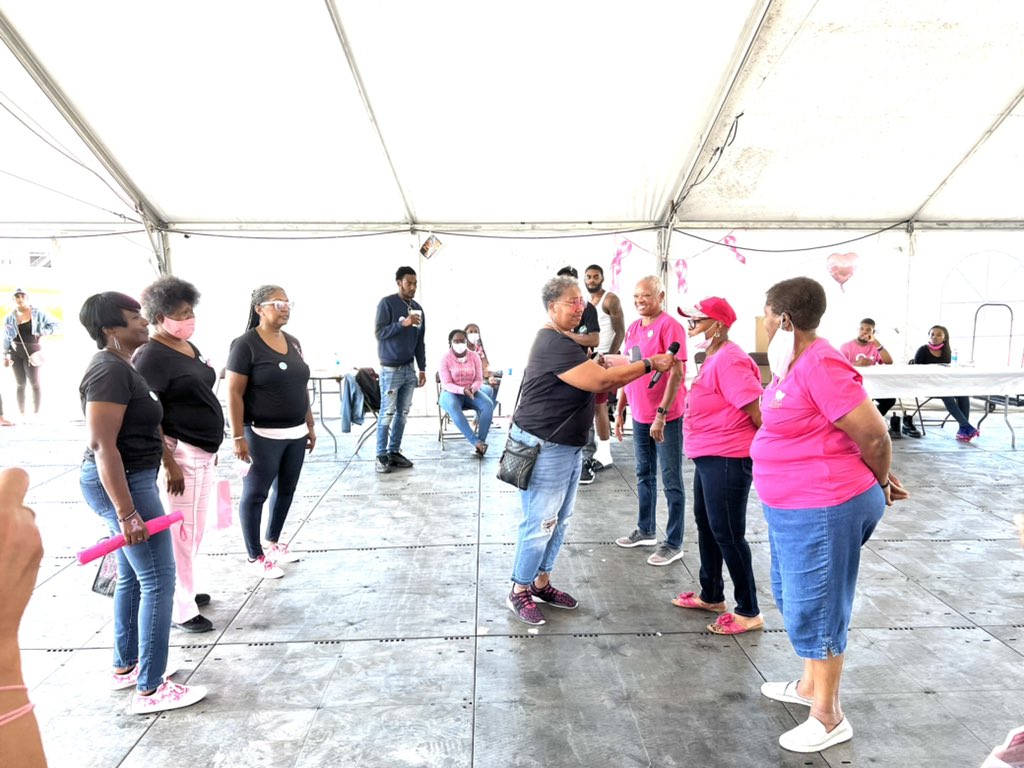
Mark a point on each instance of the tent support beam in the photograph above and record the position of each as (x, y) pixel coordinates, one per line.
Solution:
(354, 69)
(85, 132)
(755, 23)
(977, 145)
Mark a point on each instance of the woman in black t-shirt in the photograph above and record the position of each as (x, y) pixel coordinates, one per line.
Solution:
(555, 410)
(118, 480)
(193, 429)
(271, 423)
(938, 351)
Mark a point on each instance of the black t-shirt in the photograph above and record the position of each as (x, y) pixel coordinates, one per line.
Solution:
(589, 323)
(923, 356)
(276, 395)
(192, 412)
(546, 401)
(109, 379)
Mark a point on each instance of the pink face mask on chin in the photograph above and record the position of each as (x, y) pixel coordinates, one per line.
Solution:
(180, 329)
(935, 347)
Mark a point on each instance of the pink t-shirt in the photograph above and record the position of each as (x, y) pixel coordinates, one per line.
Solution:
(458, 373)
(715, 424)
(654, 339)
(801, 459)
(856, 353)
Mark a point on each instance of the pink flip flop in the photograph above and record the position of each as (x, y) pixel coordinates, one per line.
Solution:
(727, 625)
(691, 600)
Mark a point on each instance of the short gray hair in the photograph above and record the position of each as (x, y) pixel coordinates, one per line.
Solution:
(555, 287)
(655, 281)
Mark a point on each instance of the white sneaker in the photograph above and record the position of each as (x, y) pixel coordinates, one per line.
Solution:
(168, 696)
(279, 553)
(266, 568)
(811, 736)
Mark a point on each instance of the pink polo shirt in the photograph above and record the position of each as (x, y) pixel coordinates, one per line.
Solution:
(654, 339)
(715, 423)
(801, 459)
(856, 352)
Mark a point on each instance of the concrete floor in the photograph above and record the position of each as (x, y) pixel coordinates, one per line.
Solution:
(389, 644)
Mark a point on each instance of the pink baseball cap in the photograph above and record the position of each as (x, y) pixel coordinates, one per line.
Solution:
(714, 307)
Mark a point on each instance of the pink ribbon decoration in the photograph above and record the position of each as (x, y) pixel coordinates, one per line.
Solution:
(625, 246)
(730, 241)
(681, 270)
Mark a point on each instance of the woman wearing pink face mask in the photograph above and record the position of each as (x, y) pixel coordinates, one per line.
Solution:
(193, 428)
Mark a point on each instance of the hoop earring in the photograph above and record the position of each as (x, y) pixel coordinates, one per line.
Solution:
(117, 344)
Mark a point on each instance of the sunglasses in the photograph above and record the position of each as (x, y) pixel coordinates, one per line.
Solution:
(280, 306)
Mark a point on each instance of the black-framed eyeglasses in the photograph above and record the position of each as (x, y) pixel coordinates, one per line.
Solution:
(279, 305)
(693, 322)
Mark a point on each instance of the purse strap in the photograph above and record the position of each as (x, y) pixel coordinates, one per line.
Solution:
(559, 427)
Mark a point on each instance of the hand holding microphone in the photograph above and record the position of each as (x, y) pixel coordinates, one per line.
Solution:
(673, 348)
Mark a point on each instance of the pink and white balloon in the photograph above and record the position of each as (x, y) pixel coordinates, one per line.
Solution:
(841, 267)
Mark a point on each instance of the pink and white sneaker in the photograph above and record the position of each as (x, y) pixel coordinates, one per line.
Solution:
(279, 553)
(168, 696)
(131, 678)
(266, 568)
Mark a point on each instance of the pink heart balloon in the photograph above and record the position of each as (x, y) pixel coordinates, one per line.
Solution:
(842, 266)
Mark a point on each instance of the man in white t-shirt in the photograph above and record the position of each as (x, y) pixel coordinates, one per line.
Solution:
(612, 328)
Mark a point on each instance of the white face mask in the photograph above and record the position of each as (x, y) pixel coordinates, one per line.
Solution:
(703, 344)
(473, 337)
(459, 348)
(780, 352)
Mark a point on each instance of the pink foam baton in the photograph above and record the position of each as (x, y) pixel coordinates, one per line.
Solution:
(109, 545)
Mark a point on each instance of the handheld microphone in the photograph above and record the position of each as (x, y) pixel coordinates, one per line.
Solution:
(672, 349)
(634, 355)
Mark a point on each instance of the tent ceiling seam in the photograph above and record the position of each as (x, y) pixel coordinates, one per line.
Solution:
(361, 87)
(977, 145)
(59, 99)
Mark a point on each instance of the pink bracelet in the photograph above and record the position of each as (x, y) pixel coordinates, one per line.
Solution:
(14, 714)
(13, 687)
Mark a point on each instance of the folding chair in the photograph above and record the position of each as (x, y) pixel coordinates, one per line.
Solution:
(369, 384)
(445, 426)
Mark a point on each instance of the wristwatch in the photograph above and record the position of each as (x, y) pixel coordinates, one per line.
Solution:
(647, 364)
(662, 411)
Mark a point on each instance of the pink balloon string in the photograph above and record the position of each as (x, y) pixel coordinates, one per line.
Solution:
(730, 241)
(681, 270)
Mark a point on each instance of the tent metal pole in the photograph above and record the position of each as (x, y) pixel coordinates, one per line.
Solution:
(63, 104)
(354, 68)
(166, 268)
(664, 247)
(977, 145)
(755, 23)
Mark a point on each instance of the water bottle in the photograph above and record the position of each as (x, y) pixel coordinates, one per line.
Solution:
(952, 360)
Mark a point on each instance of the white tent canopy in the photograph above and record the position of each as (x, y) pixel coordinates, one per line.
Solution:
(343, 115)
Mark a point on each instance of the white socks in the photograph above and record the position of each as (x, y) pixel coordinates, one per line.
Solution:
(604, 452)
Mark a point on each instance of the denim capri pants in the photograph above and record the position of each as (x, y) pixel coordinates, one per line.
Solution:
(815, 560)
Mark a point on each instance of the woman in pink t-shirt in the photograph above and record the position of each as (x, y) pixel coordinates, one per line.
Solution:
(722, 414)
(821, 467)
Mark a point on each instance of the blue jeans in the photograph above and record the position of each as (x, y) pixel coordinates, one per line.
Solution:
(145, 578)
(481, 403)
(396, 389)
(815, 562)
(276, 464)
(669, 453)
(547, 506)
(720, 489)
(960, 409)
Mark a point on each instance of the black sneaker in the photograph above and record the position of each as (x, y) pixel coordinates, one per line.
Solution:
(587, 474)
(382, 465)
(196, 624)
(202, 599)
(910, 430)
(894, 434)
(399, 461)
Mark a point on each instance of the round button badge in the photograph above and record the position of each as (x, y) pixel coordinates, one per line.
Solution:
(283, 366)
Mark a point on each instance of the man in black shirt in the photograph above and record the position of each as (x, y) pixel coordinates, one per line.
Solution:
(588, 335)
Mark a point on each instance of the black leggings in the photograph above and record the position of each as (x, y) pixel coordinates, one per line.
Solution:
(25, 373)
(276, 463)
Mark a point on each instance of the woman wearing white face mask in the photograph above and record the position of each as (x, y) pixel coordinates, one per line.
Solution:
(492, 379)
(821, 467)
(722, 414)
(461, 382)
(193, 429)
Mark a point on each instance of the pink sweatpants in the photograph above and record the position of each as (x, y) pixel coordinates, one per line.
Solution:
(197, 466)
